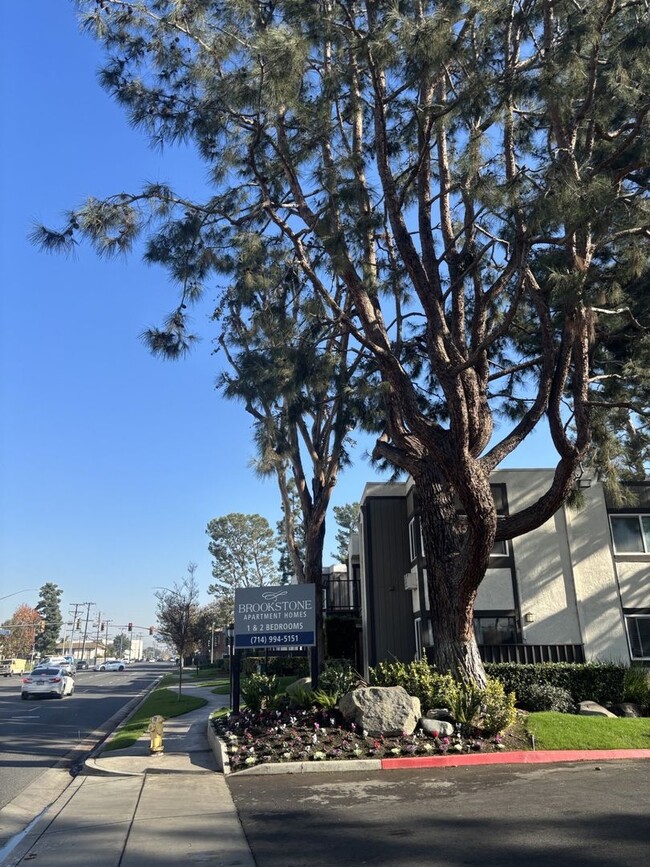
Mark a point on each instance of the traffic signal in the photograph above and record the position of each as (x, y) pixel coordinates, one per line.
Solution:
(78, 623)
(151, 630)
(130, 627)
(103, 626)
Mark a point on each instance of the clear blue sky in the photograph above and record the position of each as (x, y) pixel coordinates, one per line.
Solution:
(112, 462)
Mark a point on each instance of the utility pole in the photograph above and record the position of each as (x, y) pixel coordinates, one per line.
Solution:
(83, 643)
(99, 626)
(77, 606)
(107, 622)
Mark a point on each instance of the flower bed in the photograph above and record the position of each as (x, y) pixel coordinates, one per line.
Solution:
(276, 736)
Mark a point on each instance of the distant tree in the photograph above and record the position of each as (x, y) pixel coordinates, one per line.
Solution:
(121, 643)
(346, 517)
(178, 617)
(475, 175)
(24, 626)
(212, 613)
(243, 549)
(49, 609)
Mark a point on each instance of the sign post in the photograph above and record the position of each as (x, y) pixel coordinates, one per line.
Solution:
(273, 618)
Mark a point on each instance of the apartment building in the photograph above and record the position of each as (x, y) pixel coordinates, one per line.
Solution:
(575, 589)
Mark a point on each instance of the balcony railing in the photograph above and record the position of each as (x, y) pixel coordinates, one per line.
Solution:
(532, 653)
(342, 596)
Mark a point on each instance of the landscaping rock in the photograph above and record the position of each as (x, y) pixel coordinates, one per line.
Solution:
(439, 726)
(592, 708)
(442, 713)
(388, 710)
(626, 709)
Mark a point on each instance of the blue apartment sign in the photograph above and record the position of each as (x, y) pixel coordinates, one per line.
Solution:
(275, 616)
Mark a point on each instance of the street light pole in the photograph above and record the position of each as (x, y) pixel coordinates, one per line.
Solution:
(212, 645)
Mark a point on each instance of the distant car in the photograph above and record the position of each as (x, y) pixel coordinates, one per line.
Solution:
(115, 665)
(82, 664)
(47, 680)
(101, 666)
(9, 667)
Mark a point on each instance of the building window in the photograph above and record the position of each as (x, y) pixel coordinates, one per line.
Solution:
(413, 540)
(631, 533)
(418, 638)
(638, 633)
(495, 630)
(499, 549)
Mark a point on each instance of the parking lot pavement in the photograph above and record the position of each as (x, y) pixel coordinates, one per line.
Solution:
(582, 815)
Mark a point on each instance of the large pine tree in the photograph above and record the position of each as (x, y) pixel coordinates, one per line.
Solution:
(473, 174)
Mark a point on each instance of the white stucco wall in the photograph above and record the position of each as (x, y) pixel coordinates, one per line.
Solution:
(495, 591)
(596, 588)
(634, 582)
(542, 565)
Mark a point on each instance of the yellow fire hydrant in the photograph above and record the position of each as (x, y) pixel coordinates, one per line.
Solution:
(155, 731)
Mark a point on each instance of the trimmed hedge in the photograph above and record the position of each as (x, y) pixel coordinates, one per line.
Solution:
(592, 681)
(280, 665)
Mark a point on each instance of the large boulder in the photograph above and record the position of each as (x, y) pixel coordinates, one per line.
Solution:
(387, 710)
(592, 708)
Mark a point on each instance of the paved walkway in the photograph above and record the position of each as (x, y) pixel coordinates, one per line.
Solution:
(136, 810)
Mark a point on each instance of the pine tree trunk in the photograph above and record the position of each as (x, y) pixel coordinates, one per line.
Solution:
(313, 574)
(457, 552)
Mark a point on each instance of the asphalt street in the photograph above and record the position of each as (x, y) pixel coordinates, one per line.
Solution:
(578, 815)
(37, 734)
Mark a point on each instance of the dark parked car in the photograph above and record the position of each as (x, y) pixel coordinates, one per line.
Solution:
(82, 664)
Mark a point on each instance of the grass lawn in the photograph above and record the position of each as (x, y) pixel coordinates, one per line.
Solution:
(562, 731)
(161, 701)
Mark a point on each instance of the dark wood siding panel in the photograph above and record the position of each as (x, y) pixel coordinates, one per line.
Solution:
(392, 605)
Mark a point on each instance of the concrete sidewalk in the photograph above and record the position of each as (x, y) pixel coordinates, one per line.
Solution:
(132, 809)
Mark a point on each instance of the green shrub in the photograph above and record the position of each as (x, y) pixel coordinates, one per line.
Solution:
(637, 685)
(419, 679)
(338, 677)
(301, 697)
(258, 691)
(284, 665)
(497, 708)
(464, 702)
(326, 700)
(251, 665)
(601, 682)
(543, 697)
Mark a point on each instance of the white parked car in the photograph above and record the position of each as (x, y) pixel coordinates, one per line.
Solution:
(47, 680)
(115, 665)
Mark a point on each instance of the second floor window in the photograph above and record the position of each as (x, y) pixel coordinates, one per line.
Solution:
(631, 534)
(414, 537)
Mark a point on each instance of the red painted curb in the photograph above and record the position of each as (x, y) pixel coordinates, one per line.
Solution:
(525, 757)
